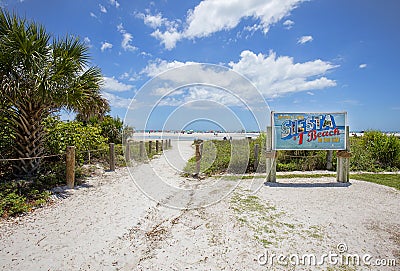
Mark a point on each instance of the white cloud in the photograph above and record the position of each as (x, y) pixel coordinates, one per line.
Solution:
(225, 14)
(153, 21)
(288, 24)
(126, 42)
(126, 39)
(113, 85)
(130, 76)
(87, 41)
(93, 15)
(363, 66)
(124, 76)
(310, 93)
(168, 38)
(158, 20)
(114, 3)
(154, 68)
(275, 76)
(145, 54)
(117, 101)
(210, 94)
(103, 8)
(252, 28)
(120, 28)
(200, 97)
(305, 39)
(105, 45)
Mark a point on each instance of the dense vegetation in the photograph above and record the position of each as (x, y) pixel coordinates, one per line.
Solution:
(41, 74)
(373, 152)
(18, 195)
(228, 156)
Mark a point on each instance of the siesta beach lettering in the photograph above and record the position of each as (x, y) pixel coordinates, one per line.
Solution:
(315, 127)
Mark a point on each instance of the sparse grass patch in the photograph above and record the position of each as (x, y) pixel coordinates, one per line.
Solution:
(308, 176)
(286, 176)
(391, 180)
(261, 217)
(266, 222)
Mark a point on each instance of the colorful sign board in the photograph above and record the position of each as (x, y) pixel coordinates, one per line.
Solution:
(309, 131)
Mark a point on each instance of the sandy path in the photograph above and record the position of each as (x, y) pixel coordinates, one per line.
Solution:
(88, 230)
(110, 225)
(79, 232)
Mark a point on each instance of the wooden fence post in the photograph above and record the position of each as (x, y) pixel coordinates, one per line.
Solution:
(157, 146)
(112, 157)
(141, 150)
(127, 152)
(166, 144)
(150, 147)
(162, 145)
(169, 143)
(256, 149)
(271, 157)
(329, 157)
(343, 161)
(70, 166)
(198, 158)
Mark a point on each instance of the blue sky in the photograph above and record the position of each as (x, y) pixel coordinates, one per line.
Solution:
(302, 56)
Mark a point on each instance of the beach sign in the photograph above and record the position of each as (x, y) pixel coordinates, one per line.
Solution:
(309, 131)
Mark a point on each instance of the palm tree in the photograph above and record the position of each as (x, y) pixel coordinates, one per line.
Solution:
(40, 75)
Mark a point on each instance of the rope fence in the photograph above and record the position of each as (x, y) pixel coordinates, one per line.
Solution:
(143, 149)
(70, 158)
(30, 158)
(51, 155)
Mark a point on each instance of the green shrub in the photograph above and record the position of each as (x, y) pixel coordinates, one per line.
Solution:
(18, 197)
(215, 158)
(361, 159)
(384, 149)
(7, 136)
(228, 156)
(302, 160)
(111, 128)
(291, 166)
(74, 133)
(13, 204)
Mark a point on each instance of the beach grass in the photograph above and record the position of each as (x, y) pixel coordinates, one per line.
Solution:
(388, 179)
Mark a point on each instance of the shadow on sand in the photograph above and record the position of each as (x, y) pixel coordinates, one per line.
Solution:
(307, 185)
(64, 192)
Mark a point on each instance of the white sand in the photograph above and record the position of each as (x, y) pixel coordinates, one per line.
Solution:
(109, 224)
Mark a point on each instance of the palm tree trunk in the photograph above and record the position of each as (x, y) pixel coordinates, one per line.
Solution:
(29, 138)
